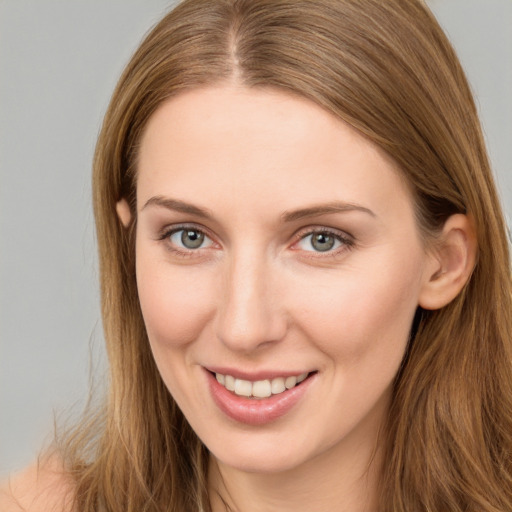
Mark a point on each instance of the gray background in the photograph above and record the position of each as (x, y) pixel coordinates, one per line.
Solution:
(59, 61)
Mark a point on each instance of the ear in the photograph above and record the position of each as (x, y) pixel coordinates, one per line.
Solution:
(450, 263)
(123, 212)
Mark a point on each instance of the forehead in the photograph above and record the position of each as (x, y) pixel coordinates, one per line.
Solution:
(251, 147)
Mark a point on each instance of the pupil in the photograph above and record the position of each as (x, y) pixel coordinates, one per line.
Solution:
(192, 239)
(322, 242)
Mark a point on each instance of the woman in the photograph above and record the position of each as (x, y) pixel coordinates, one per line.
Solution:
(305, 272)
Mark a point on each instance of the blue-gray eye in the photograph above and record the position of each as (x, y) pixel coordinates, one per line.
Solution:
(321, 241)
(189, 238)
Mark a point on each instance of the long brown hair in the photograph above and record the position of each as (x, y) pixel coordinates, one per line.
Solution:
(387, 69)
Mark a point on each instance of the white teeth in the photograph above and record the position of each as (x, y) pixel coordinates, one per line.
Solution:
(301, 377)
(243, 387)
(290, 382)
(260, 388)
(229, 383)
(278, 385)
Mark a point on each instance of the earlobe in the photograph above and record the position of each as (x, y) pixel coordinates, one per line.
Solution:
(123, 212)
(450, 263)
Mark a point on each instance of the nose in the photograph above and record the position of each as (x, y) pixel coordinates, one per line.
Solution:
(249, 313)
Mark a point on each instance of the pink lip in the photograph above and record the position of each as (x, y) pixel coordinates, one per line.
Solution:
(256, 411)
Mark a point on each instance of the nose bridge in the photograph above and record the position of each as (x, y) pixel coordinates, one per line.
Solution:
(248, 312)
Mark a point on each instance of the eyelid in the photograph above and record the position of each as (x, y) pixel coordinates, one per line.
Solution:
(173, 228)
(167, 231)
(346, 239)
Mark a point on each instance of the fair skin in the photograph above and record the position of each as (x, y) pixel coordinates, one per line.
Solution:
(233, 186)
(273, 241)
(44, 486)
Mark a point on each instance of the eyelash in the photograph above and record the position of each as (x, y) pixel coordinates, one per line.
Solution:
(347, 241)
(183, 253)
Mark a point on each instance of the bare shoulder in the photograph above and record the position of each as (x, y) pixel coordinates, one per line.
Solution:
(42, 487)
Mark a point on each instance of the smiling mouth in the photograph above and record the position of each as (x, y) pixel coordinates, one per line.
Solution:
(260, 388)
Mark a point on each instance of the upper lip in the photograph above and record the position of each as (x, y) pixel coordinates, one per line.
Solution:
(254, 375)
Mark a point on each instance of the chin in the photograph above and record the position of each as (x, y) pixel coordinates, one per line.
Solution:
(263, 453)
(258, 461)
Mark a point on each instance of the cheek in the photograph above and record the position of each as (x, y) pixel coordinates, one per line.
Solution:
(365, 310)
(175, 301)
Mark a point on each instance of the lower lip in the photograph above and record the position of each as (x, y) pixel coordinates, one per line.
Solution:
(256, 411)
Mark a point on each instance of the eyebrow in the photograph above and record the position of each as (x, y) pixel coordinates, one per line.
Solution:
(178, 206)
(324, 209)
(287, 216)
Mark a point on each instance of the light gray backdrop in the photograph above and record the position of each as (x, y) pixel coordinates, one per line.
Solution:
(59, 61)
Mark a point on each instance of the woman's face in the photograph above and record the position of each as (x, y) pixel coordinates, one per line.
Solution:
(274, 243)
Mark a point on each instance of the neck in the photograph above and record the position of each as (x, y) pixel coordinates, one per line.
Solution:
(344, 478)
